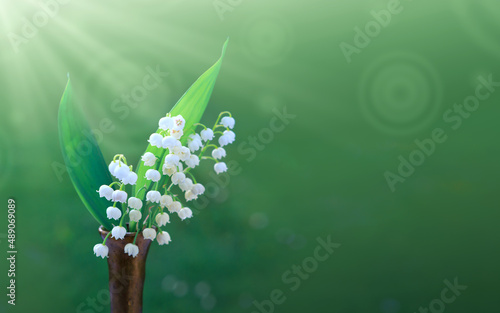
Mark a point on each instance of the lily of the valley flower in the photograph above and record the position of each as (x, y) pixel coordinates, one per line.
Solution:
(165, 201)
(101, 250)
(163, 238)
(119, 196)
(172, 159)
(207, 134)
(198, 189)
(130, 179)
(186, 184)
(153, 196)
(149, 159)
(149, 233)
(220, 167)
(135, 203)
(219, 153)
(193, 161)
(194, 142)
(162, 219)
(155, 139)
(113, 213)
(135, 215)
(166, 123)
(170, 142)
(178, 178)
(190, 195)
(131, 249)
(179, 123)
(185, 213)
(118, 232)
(174, 207)
(105, 191)
(153, 175)
(228, 122)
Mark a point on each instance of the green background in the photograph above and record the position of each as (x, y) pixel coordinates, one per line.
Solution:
(323, 175)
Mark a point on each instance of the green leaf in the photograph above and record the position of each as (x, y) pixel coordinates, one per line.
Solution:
(191, 106)
(84, 161)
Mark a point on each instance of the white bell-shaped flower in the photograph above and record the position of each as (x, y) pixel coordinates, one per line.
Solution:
(190, 195)
(166, 123)
(113, 165)
(131, 249)
(193, 161)
(185, 213)
(207, 134)
(131, 179)
(194, 142)
(155, 140)
(149, 159)
(153, 175)
(182, 152)
(149, 233)
(186, 184)
(218, 153)
(220, 167)
(228, 122)
(179, 123)
(230, 135)
(153, 196)
(177, 134)
(118, 232)
(169, 142)
(198, 189)
(101, 250)
(135, 215)
(163, 238)
(121, 171)
(178, 178)
(105, 191)
(165, 201)
(174, 207)
(135, 203)
(162, 219)
(169, 169)
(119, 196)
(113, 213)
(172, 160)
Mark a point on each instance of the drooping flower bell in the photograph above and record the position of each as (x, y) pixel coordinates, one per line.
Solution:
(163, 238)
(228, 122)
(162, 219)
(119, 196)
(131, 249)
(207, 134)
(153, 175)
(105, 191)
(153, 196)
(149, 233)
(135, 203)
(155, 140)
(149, 159)
(135, 215)
(219, 153)
(118, 232)
(101, 250)
(113, 213)
(220, 167)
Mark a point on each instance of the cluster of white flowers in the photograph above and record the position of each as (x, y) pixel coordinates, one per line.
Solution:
(166, 170)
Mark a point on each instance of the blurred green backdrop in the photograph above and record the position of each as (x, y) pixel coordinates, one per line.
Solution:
(364, 80)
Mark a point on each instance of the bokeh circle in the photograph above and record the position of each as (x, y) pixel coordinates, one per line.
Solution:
(400, 94)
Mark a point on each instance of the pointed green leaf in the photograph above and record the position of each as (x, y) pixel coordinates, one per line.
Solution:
(191, 106)
(84, 161)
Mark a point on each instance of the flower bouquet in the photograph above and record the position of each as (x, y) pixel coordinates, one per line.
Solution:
(134, 207)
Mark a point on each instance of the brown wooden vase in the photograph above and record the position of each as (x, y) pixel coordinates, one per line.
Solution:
(126, 274)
